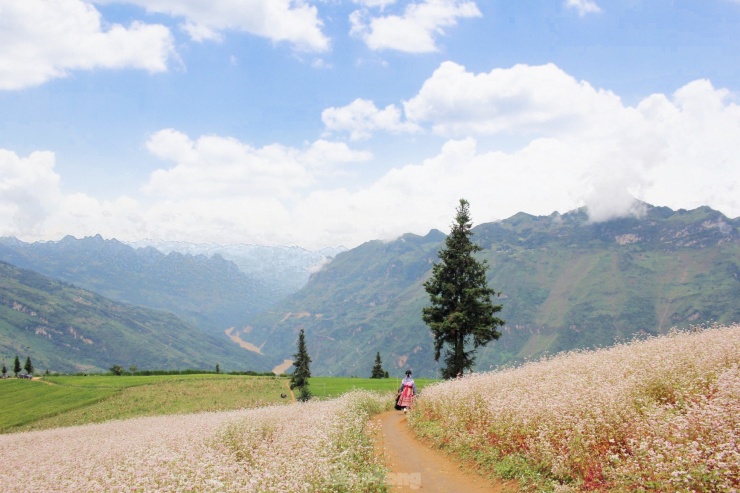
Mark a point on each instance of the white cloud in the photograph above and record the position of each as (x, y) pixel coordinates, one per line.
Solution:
(29, 190)
(361, 118)
(291, 21)
(416, 29)
(523, 100)
(215, 166)
(583, 6)
(32, 205)
(582, 146)
(45, 39)
(680, 150)
(375, 3)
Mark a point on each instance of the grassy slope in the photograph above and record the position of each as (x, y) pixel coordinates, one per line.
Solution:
(68, 401)
(57, 401)
(67, 328)
(327, 387)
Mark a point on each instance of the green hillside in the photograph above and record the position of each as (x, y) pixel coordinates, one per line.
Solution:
(66, 329)
(566, 284)
(209, 293)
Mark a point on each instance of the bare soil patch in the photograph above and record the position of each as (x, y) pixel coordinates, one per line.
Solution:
(234, 336)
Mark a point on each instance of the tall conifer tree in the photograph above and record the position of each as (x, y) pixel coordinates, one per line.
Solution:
(17, 365)
(28, 366)
(377, 371)
(302, 372)
(461, 311)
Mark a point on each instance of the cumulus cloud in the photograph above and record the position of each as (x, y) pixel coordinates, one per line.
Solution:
(215, 166)
(32, 205)
(45, 39)
(522, 99)
(291, 21)
(587, 149)
(583, 6)
(581, 146)
(29, 190)
(416, 29)
(374, 3)
(361, 118)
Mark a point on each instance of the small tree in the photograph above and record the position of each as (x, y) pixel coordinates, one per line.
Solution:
(302, 372)
(5, 368)
(461, 309)
(17, 365)
(377, 371)
(218, 368)
(28, 366)
(117, 370)
(304, 394)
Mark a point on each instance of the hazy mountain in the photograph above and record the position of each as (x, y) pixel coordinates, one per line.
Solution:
(284, 269)
(208, 292)
(64, 328)
(566, 283)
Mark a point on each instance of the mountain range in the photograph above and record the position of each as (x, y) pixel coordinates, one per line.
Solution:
(208, 292)
(285, 269)
(566, 283)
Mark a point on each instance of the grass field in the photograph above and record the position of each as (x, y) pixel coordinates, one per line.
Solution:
(65, 401)
(58, 401)
(327, 387)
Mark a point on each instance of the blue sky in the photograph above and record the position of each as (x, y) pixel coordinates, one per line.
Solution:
(326, 123)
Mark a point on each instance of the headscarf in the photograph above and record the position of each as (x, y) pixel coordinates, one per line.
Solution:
(407, 380)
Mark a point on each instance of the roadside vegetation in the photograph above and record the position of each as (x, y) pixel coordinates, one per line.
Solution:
(659, 415)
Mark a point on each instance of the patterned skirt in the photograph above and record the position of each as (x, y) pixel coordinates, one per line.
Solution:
(407, 396)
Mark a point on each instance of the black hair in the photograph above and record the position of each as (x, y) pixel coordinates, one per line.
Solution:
(408, 373)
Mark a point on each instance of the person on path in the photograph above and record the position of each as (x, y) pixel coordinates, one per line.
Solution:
(406, 393)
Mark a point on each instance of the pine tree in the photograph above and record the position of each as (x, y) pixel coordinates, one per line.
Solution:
(28, 366)
(5, 368)
(461, 310)
(17, 366)
(377, 371)
(302, 372)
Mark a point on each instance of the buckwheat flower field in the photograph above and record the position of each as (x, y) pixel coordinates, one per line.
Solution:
(313, 447)
(661, 414)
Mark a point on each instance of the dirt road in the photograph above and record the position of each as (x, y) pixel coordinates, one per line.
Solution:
(416, 467)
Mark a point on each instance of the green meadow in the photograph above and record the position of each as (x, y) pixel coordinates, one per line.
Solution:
(327, 387)
(56, 401)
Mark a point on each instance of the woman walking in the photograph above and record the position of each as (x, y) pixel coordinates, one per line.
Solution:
(406, 393)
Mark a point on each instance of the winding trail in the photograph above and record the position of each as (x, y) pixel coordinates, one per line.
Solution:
(416, 467)
(292, 395)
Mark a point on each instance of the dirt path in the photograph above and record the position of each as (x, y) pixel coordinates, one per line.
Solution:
(416, 467)
(290, 391)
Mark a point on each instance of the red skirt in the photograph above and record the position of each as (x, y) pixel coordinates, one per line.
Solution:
(407, 396)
